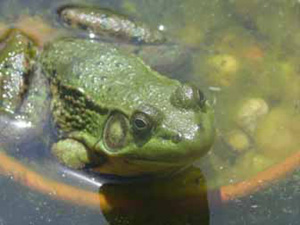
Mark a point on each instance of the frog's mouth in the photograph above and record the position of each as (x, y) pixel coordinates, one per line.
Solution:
(138, 166)
(157, 163)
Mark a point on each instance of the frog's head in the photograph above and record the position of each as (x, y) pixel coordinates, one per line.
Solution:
(160, 134)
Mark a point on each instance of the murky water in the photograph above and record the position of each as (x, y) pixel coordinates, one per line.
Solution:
(244, 56)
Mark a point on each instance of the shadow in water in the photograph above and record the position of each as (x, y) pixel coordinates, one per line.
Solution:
(181, 199)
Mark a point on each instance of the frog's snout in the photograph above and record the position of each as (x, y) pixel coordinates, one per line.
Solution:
(188, 97)
(196, 124)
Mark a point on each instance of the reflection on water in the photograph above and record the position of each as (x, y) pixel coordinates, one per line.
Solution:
(244, 56)
(179, 200)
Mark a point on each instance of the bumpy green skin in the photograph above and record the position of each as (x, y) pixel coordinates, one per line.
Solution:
(91, 82)
(112, 112)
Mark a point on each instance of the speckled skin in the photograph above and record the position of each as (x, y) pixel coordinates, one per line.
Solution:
(90, 81)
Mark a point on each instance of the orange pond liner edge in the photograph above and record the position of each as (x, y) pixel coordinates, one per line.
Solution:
(20, 173)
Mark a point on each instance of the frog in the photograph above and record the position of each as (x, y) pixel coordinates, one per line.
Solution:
(109, 111)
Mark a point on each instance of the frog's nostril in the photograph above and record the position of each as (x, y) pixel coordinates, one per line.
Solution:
(200, 127)
(177, 138)
(201, 98)
(188, 97)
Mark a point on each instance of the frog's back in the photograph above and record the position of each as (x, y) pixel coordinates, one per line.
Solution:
(106, 74)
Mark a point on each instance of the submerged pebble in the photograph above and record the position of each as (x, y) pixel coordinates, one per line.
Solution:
(238, 141)
(250, 113)
(224, 69)
(278, 135)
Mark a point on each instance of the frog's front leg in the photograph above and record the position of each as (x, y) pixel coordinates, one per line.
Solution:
(71, 153)
(75, 151)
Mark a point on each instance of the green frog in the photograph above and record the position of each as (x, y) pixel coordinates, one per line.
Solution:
(110, 111)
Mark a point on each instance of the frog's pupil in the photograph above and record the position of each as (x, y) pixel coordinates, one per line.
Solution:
(140, 124)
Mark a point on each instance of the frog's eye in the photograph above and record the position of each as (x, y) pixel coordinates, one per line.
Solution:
(141, 124)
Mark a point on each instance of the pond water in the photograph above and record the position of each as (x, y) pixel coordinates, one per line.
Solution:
(244, 56)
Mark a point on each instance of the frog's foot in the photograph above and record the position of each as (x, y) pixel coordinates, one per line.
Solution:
(71, 153)
(17, 52)
(106, 23)
(23, 92)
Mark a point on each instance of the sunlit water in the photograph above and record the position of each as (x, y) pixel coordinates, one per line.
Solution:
(244, 56)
